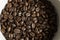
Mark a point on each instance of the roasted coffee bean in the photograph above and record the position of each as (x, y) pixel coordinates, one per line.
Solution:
(27, 14)
(9, 29)
(28, 20)
(16, 30)
(33, 25)
(9, 5)
(10, 17)
(37, 9)
(10, 35)
(23, 28)
(27, 38)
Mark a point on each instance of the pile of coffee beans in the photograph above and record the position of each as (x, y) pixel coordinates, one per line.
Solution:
(28, 20)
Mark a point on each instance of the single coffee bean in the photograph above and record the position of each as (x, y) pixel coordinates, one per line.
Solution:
(16, 31)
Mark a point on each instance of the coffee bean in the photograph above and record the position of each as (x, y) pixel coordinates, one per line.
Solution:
(27, 14)
(38, 14)
(9, 29)
(26, 4)
(19, 14)
(14, 14)
(16, 31)
(32, 38)
(17, 36)
(33, 8)
(9, 5)
(5, 16)
(33, 25)
(10, 20)
(10, 17)
(23, 28)
(32, 34)
(27, 38)
(3, 30)
(1, 17)
(14, 25)
(35, 20)
(10, 35)
(37, 9)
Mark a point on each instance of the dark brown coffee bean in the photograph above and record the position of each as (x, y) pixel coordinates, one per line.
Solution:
(10, 35)
(32, 34)
(10, 17)
(17, 37)
(9, 29)
(26, 4)
(33, 25)
(23, 28)
(5, 16)
(9, 5)
(3, 30)
(27, 38)
(22, 39)
(16, 31)
(19, 14)
(27, 14)
(14, 14)
(37, 9)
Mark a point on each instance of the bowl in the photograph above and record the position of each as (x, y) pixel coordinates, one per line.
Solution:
(56, 3)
